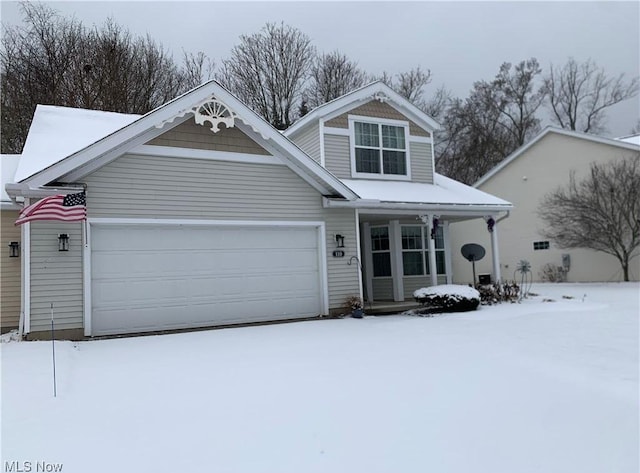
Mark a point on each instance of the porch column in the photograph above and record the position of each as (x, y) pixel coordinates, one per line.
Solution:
(495, 252)
(433, 269)
(395, 244)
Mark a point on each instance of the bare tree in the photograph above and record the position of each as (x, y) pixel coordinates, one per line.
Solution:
(332, 75)
(268, 70)
(600, 212)
(409, 84)
(495, 119)
(515, 95)
(56, 60)
(198, 68)
(579, 94)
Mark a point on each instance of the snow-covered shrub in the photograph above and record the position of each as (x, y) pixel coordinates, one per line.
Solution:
(496, 293)
(448, 298)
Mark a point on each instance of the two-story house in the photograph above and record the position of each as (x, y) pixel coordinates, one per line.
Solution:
(200, 213)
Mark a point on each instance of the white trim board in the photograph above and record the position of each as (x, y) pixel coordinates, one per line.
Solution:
(190, 153)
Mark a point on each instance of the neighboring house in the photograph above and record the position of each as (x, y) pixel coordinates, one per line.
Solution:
(524, 178)
(10, 260)
(200, 213)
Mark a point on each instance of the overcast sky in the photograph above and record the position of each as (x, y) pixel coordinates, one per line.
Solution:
(460, 42)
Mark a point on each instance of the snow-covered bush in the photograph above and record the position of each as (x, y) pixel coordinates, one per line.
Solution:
(553, 273)
(448, 298)
(496, 293)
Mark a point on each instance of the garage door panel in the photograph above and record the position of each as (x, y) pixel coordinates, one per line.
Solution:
(160, 277)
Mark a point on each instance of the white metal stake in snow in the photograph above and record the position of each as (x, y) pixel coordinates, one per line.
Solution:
(53, 352)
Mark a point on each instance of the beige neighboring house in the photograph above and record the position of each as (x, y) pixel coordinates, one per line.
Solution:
(523, 178)
(9, 265)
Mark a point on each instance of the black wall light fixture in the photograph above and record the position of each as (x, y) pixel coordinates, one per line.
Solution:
(63, 242)
(340, 241)
(14, 249)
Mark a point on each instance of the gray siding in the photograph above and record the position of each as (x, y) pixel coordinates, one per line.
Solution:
(56, 276)
(374, 108)
(382, 289)
(337, 155)
(421, 163)
(191, 135)
(154, 187)
(309, 141)
(9, 272)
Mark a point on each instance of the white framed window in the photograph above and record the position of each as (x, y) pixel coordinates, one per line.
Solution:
(381, 251)
(415, 250)
(379, 148)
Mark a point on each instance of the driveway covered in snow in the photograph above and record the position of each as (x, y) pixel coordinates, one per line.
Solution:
(532, 387)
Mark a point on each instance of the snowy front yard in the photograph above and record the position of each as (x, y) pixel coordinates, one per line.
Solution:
(532, 387)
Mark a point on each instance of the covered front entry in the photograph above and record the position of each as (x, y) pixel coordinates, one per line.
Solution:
(149, 277)
(404, 252)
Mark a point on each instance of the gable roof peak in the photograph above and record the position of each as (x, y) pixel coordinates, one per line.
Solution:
(376, 90)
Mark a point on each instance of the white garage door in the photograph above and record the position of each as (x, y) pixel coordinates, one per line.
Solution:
(160, 277)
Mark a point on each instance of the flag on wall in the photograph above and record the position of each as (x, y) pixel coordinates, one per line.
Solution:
(68, 208)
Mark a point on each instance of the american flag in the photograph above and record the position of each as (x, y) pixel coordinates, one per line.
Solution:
(68, 208)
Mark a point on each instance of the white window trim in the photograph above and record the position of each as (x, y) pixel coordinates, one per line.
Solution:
(390, 251)
(352, 148)
(425, 252)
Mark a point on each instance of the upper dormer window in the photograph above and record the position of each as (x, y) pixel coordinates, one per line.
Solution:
(379, 148)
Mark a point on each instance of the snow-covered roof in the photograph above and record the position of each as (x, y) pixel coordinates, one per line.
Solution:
(8, 167)
(444, 191)
(559, 131)
(57, 132)
(634, 139)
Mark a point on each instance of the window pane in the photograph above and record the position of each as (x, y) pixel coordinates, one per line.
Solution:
(380, 238)
(392, 137)
(382, 264)
(412, 263)
(411, 238)
(393, 162)
(367, 160)
(367, 134)
(440, 262)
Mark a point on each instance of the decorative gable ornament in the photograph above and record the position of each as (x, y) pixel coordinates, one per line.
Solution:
(213, 111)
(380, 97)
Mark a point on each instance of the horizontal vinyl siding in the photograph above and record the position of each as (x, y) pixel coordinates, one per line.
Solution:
(191, 135)
(421, 162)
(382, 289)
(337, 155)
(9, 273)
(309, 141)
(56, 276)
(154, 187)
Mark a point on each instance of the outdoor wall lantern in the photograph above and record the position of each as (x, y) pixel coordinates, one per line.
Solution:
(63, 242)
(14, 249)
(340, 241)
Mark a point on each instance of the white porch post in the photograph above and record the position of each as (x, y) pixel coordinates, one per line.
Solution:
(368, 260)
(495, 252)
(433, 269)
(395, 244)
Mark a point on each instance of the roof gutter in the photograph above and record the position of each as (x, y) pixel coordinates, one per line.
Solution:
(418, 207)
(21, 189)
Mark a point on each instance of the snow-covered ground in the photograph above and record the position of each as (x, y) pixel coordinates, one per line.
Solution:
(532, 387)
